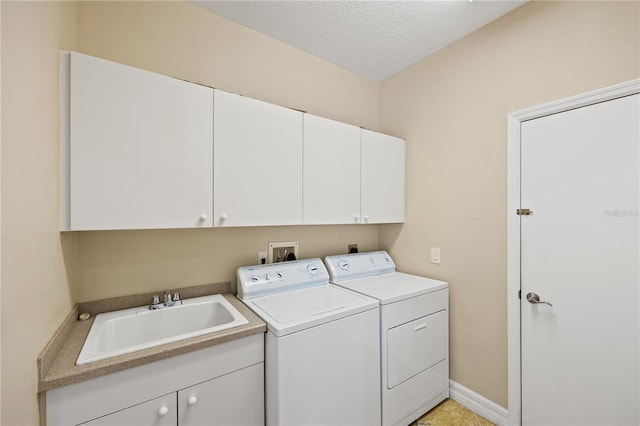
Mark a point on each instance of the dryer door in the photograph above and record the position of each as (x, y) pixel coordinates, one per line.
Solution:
(415, 346)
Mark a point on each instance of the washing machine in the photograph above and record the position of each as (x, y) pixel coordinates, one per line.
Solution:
(322, 345)
(414, 331)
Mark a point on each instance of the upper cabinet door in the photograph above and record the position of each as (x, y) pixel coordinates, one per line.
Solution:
(382, 185)
(257, 162)
(141, 147)
(331, 168)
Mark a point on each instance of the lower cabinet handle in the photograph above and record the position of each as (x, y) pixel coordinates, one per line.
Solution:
(419, 327)
(192, 400)
(163, 411)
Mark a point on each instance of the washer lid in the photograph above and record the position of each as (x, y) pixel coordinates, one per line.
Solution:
(296, 310)
(393, 286)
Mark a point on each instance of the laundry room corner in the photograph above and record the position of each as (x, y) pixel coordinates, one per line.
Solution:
(451, 109)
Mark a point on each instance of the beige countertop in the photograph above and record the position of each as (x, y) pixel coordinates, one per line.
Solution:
(57, 362)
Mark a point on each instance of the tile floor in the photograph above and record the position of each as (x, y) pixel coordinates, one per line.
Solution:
(450, 413)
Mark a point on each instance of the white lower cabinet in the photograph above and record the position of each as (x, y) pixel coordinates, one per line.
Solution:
(219, 385)
(161, 411)
(223, 401)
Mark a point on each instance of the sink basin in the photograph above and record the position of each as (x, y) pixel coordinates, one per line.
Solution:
(129, 330)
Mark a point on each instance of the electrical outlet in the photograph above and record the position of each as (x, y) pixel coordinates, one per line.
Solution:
(282, 251)
(262, 257)
(352, 248)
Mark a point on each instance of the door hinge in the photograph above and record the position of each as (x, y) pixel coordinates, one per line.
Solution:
(524, 212)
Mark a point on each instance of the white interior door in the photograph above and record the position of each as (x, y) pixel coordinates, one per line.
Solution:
(579, 252)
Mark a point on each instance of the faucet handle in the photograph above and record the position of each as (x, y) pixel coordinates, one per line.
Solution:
(156, 300)
(167, 297)
(176, 296)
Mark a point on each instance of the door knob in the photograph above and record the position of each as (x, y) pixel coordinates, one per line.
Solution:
(535, 299)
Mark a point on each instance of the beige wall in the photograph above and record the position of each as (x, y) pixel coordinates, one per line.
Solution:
(451, 108)
(37, 291)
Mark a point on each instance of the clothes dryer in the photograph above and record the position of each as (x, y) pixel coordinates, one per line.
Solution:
(414, 332)
(322, 346)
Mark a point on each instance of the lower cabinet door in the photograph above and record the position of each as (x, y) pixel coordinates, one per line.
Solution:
(161, 411)
(236, 398)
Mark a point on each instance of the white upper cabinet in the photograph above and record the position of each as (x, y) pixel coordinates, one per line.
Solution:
(331, 172)
(257, 162)
(382, 183)
(140, 149)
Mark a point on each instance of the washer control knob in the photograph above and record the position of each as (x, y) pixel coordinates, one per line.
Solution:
(344, 265)
(313, 269)
(372, 260)
(254, 279)
(267, 277)
(279, 274)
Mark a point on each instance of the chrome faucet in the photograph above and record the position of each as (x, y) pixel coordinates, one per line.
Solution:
(168, 301)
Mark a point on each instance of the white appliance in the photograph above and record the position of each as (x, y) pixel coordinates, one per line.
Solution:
(322, 346)
(414, 332)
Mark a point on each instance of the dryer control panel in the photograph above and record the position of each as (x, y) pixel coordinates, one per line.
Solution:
(359, 265)
(260, 280)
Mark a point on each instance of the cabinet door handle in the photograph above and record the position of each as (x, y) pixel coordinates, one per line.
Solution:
(366, 218)
(192, 400)
(203, 217)
(356, 218)
(163, 411)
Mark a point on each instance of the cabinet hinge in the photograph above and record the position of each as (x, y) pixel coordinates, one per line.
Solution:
(524, 212)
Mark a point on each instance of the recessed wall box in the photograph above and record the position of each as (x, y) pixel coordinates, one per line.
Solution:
(283, 251)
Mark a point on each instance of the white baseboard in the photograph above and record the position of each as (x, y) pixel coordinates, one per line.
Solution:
(478, 404)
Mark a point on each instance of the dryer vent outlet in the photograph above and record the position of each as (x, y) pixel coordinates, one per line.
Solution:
(283, 251)
(353, 248)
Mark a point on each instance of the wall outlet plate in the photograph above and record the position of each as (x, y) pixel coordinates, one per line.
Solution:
(435, 255)
(280, 251)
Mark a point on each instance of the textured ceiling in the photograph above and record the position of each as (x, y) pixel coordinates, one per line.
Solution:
(375, 39)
